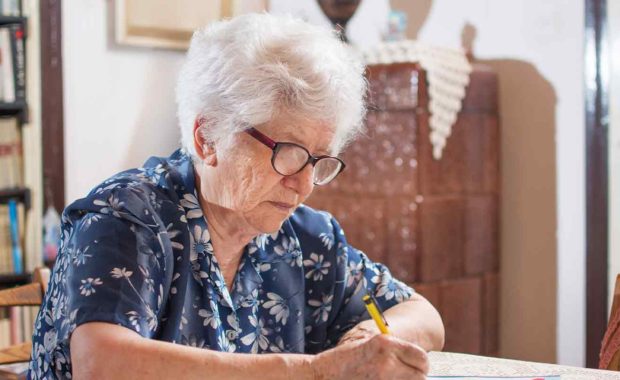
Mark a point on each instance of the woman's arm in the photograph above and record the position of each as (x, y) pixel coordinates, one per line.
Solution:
(106, 351)
(414, 320)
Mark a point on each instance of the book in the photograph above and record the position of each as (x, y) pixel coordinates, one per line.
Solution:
(19, 61)
(12, 63)
(15, 322)
(11, 7)
(6, 263)
(15, 154)
(1, 73)
(8, 72)
(5, 151)
(5, 328)
(16, 250)
(11, 160)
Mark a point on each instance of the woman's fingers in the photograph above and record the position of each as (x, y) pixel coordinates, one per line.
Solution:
(409, 354)
(357, 333)
(414, 356)
(379, 357)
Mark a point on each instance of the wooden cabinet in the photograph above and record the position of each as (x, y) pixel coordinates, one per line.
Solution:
(435, 223)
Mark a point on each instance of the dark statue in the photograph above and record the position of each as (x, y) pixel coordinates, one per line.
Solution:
(339, 12)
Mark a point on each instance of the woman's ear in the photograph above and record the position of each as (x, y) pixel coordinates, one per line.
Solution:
(205, 149)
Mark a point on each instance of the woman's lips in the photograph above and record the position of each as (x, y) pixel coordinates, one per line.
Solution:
(282, 206)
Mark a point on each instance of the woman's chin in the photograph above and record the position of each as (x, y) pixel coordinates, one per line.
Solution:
(269, 218)
(273, 227)
(269, 225)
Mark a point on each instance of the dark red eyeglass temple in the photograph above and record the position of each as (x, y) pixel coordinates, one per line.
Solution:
(260, 137)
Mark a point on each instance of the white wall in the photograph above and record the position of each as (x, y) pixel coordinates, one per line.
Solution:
(119, 102)
(548, 36)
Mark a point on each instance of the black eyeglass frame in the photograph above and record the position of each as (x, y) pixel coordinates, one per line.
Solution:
(275, 147)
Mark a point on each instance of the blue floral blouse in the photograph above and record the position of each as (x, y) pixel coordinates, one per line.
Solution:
(136, 252)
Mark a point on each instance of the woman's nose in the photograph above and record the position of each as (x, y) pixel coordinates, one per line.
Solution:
(303, 182)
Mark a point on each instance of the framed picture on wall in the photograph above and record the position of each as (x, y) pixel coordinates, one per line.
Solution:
(170, 24)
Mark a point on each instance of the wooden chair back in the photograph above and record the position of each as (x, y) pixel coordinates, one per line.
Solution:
(26, 295)
(610, 350)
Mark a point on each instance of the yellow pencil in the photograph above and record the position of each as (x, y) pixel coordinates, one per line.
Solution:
(376, 315)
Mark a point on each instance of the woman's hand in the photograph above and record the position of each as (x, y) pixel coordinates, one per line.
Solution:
(363, 330)
(379, 357)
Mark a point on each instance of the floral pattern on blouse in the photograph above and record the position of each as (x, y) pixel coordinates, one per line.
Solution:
(136, 252)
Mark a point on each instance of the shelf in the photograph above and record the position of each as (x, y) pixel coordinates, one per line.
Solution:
(22, 194)
(5, 20)
(18, 108)
(8, 20)
(12, 279)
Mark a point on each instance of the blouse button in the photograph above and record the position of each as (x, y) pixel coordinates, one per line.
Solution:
(232, 335)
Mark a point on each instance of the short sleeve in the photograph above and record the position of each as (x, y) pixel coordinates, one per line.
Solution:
(115, 264)
(114, 274)
(111, 265)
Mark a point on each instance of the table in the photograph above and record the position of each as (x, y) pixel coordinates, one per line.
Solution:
(453, 364)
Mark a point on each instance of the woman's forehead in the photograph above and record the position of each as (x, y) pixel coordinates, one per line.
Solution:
(315, 135)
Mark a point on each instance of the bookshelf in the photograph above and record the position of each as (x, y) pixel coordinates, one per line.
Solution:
(21, 154)
(27, 112)
(6, 20)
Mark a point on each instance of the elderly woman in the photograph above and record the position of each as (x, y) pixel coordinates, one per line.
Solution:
(193, 265)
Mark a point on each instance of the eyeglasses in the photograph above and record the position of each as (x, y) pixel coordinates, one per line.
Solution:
(290, 158)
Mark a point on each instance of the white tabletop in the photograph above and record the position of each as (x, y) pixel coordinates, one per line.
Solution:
(452, 364)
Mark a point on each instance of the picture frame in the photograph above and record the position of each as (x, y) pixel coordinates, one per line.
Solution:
(170, 24)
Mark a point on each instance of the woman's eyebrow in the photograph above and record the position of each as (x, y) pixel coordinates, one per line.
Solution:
(290, 137)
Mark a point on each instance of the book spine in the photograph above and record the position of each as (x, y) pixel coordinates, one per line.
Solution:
(21, 225)
(8, 72)
(4, 7)
(5, 331)
(19, 156)
(14, 324)
(17, 6)
(14, 153)
(6, 266)
(19, 62)
(15, 240)
(33, 312)
(3, 57)
(22, 324)
(28, 323)
(4, 154)
(10, 153)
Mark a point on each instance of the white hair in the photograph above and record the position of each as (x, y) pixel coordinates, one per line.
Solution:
(244, 71)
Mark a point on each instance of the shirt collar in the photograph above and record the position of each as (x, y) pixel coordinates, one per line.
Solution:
(248, 276)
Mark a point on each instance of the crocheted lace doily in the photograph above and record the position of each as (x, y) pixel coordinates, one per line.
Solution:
(447, 73)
